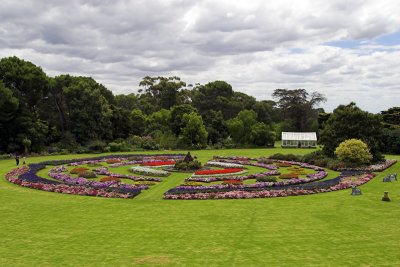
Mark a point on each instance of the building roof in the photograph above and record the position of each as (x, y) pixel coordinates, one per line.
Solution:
(299, 136)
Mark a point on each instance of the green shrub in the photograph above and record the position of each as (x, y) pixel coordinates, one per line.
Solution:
(96, 146)
(267, 179)
(288, 157)
(353, 152)
(186, 166)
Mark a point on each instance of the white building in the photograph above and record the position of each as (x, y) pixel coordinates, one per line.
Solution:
(291, 139)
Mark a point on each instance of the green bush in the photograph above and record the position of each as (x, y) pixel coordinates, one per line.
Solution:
(353, 152)
(96, 146)
(289, 157)
(186, 166)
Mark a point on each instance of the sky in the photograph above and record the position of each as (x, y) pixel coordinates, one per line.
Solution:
(346, 50)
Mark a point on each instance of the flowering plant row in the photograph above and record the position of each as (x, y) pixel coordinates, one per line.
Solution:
(158, 163)
(148, 171)
(67, 179)
(245, 162)
(248, 161)
(238, 194)
(379, 167)
(222, 178)
(214, 172)
(104, 171)
(257, 186)
(26, 177)
(224, 164)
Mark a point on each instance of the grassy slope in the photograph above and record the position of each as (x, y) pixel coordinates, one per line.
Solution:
(332, 229)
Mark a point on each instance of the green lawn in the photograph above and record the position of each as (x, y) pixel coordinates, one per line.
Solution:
(333, 229)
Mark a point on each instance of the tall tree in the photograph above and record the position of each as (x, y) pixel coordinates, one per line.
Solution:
(177, 113)
(349, 121)
(299, 106)
(194, 133)
(164, 91)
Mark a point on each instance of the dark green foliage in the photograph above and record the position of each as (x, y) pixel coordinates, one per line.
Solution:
(245, 130)
(392, 141)
(349, 121)
(193, 134)
(96, 146)
(215, 126)
(289, 157)
(299, 106)
(187, 166)
(391, 118)
(177, 113)
(267, 179)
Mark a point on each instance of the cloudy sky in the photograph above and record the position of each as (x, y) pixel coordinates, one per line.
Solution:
(347, 50)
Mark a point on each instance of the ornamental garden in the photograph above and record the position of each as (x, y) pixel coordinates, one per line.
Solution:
(232, 177)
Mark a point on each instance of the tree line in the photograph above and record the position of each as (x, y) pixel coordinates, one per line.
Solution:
(77, 114)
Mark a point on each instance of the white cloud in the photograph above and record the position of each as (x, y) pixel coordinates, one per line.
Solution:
(256, 46)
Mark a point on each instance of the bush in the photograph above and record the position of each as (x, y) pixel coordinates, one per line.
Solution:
(335, 164)
(150, 144)
(353, 152)
(96, 146)
(288, 157)
(187, 166)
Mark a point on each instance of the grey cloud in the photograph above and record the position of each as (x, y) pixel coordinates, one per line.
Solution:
(246, 43)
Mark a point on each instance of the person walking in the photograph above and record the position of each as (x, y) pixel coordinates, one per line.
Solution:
(17, 159)
(24, 160)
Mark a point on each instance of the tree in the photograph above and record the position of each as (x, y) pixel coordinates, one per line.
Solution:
(299, 106)
(27, 143)
(87, 109)
(391, 118)
(194, 133)
(264, 110)
(177, 113)
(215, 126)
(261, 135)
(27, 81)
(8, 104)
(392, 140)
(138, 122)
(353, 152)
(165, 91)
(239, 127)
(349, 121)
(219, 96)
